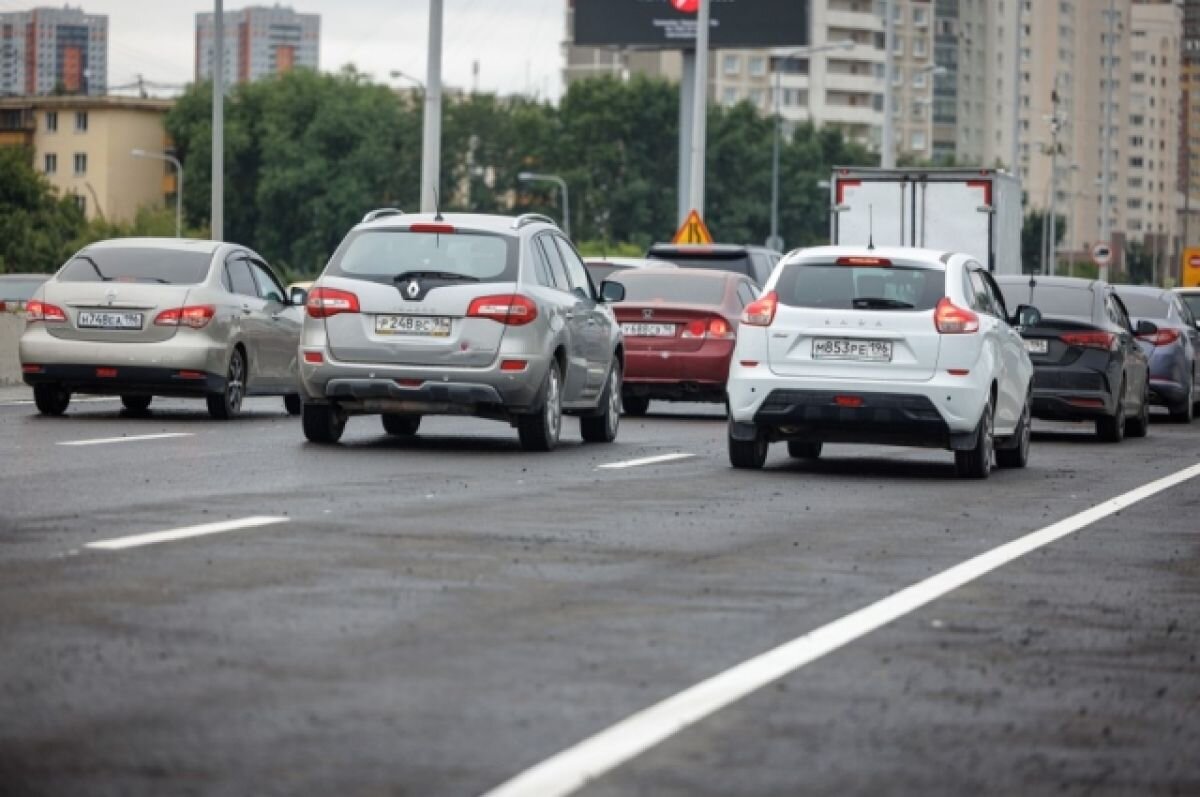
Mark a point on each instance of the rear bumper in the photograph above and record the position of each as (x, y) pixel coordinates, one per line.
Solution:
(127, 380)
(186, 350)
(1167, 393)
(1072, 394)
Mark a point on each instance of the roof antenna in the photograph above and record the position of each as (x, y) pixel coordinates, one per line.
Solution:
(436, 209)
(870, 227)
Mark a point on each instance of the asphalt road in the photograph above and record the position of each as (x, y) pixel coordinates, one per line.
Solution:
(434, 617)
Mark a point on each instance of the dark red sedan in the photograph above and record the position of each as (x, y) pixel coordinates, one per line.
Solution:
(679, 326)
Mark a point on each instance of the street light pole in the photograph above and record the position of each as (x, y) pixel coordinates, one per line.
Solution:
(217, 214)
(171, 159)
(887, 158)
(700, 109)
(534, 177)
(431, 142)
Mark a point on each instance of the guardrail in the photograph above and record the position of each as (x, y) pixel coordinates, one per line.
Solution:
(11, 327)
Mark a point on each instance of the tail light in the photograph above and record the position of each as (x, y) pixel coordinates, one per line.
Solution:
(440, 229)
(950, 319)
(761, 313)
(694, 329)
(326, 302)
(195, 316)
(512, 309)
(44, 311)
(1163, 337)
(711, 328)
(719, 328)
(875, 262)
(1105, 341)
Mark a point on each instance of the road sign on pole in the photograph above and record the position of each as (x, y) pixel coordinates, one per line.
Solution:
(693, 231)
(1101, 254)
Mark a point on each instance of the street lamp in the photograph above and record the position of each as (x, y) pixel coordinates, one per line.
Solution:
(398, 75)
(775, 241)
(533, 177)
(171, 159)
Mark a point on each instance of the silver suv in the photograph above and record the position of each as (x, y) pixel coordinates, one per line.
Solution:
(461, 314)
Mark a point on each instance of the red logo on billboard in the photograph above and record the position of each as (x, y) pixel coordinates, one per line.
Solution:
(686, 6)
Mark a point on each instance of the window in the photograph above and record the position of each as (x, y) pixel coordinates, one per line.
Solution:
(558, 271)
(920, 47)
(729, 95)
(541, 267)
(237, 275)
(268, 287)
(51, 163)
(920, 17)
(80, 202)
(918, 140)
(758, 66)
(581, 284)
(81, 121)
(51, 121)
(733, 65)
(80, 163)
(919, 79)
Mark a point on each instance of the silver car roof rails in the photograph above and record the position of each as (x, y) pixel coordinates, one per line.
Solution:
(379, 213)
(532, 218)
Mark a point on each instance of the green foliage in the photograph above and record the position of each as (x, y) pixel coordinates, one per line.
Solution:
(152, 221)
(37, 226)
(605, 249)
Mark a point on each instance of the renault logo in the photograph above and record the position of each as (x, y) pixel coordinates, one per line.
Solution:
(413, 289)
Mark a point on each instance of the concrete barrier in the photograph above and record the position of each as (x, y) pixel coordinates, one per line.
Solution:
(11, 327)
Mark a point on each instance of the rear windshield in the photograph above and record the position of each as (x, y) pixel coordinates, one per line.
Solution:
(137, 264)
(1050, 300)
(671, 289)
(384, 255)
(1143, 306)
(1192, 300)
(739, 264)
(600, 272)
(828, 285)
(19, 289)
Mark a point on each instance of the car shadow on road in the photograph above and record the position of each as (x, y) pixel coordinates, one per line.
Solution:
(870, 468)
(445, 444)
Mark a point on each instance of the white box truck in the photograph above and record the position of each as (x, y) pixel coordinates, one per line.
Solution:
(976, 211)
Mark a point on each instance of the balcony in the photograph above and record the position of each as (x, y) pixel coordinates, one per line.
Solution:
(853, 20)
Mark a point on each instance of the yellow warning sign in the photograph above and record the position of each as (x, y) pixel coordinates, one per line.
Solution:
(693, 231)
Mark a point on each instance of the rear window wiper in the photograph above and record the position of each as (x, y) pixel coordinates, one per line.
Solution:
(872, 303)
(436, 275)
(95, 267)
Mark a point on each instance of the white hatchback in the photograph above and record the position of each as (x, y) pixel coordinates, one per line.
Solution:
(893, 346)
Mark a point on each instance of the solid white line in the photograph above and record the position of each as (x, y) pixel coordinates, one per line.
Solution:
(633, 463)
(130, 439)
(134, 541)
(574, 767)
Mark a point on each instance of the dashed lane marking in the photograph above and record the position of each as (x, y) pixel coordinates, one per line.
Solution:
(187, 532)
(633, 463)
(130, 439)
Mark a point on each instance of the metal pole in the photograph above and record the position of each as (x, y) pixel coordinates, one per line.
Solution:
(887, 155)
(431, 142)
(700, 109)
(687, 95)
(217, 221)
(1014, 156)
(773, 240)
(566, 205)
(1106, 139)
(178, 199)
(1052, 244)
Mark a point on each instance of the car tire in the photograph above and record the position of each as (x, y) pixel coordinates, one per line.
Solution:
(1018, 455)
(635, 406)
(976, 462)
(603, 428)
(51, 399)
(293, 404)
(136, 404)
(227, 404)
(748, 454)
(323, 423)
(1185, 412)
(401, 425)
(1139, 426)
(539, 431)
(798, 449)
(1111, 428)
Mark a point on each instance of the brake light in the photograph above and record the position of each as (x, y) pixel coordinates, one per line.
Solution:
(44, 311)
(694, 329)
(878, 262)
(950, 319)
(314, 357)
(761, 312)
(442, 229)
(720, 328)
(848, 401)
(1105, 341)
(512, 309)
(326, 302)
(195, 316)
(1163, 337)
(31, 369)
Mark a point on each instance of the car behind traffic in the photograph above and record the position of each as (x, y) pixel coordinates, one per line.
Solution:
(1172, 350)
(755, 262)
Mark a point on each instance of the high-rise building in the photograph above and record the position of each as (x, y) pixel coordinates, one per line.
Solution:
(259, 41)
(1189, 132)
(53, 51)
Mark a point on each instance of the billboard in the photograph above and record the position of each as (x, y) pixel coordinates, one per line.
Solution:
(671, 24)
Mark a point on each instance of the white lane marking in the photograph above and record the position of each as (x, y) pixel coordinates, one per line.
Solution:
(186, 532)
(24, 402)
(576, 766)
(131, 439)
(633, 463)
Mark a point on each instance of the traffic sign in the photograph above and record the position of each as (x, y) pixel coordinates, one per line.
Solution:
(1101, 254)
(693, 231)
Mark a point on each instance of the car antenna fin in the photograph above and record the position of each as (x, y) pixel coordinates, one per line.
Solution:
(870, 227)
(437, 210)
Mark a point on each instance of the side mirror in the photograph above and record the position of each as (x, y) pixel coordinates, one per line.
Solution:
(1145, 329)
(298, 297)
(1027, 316)
(612, 292)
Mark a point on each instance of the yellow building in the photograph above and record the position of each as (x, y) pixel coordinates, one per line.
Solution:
(83, 146)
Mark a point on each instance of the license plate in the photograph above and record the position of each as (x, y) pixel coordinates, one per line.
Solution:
(1037, 346)
(92, 320)
(852, 349)
(648, 330)
(419, 325)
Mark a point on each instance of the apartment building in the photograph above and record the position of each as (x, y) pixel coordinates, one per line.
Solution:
(259, 41)
(83, 146)
(53, 50)
(1189, 133)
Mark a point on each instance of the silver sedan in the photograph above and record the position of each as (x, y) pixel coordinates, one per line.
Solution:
(145, 317)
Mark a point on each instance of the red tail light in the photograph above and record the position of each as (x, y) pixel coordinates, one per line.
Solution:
(876, 262)
(951, 319)
(1163, 337)
(720, 328)
(761, 313)
(195, 316)
(1106, 341)
(848, 401)
(314, 357)
(512, 309)
(694, 329)
(326, 302)
(441, 229)
(44, 311)
(31, 369)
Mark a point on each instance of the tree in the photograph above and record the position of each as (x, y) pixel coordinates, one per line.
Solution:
(37, 227)
(1032, 241)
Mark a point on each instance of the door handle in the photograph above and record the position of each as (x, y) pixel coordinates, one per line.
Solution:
(246, 309)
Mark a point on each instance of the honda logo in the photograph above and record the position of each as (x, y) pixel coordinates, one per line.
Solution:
(647, 313)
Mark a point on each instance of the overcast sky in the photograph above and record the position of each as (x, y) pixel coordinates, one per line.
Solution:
(517, 42)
